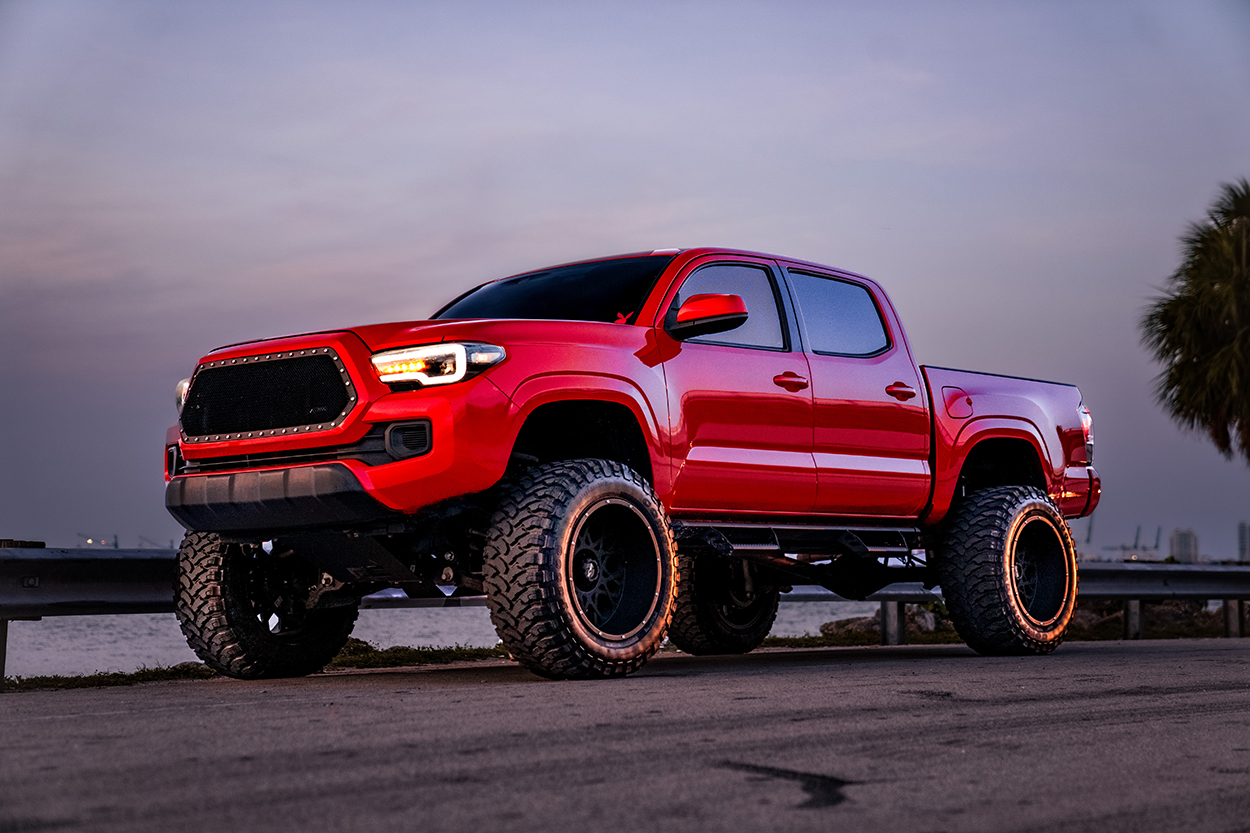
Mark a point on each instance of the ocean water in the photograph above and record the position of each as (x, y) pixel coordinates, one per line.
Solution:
(86, 644)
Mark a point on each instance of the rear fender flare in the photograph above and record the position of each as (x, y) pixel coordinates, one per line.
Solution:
(950, 461)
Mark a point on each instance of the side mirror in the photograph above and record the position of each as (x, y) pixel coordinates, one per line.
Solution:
(703, 315)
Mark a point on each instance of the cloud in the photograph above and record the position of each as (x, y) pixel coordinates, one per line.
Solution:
(174, 178)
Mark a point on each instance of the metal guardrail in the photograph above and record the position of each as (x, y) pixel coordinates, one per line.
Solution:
(1107, 580)
(79, 582)
(76, 582)
(38, 582)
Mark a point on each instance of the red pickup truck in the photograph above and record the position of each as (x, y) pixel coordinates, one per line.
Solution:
(612, 451)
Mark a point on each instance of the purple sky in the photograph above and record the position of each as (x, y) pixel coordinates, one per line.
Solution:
(178, 176)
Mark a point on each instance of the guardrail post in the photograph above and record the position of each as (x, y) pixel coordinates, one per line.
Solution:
(4, 643)
(1132, 618)
(893, 623)
(1232, 618)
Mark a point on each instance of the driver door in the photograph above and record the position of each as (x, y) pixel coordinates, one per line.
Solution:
(740, 402)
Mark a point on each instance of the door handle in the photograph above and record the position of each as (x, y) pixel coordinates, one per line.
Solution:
(901, 391)
(791, 381)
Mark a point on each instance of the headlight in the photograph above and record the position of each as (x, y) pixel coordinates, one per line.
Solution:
(180, 393)
(436, 364)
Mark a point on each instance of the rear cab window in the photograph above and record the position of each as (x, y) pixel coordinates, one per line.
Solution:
(840, 317)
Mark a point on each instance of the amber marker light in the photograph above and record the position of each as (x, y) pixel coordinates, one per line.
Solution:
(436, 364)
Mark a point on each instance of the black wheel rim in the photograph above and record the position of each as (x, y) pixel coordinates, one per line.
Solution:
(741, 601)
(276, 590)
(1040, 570)
(613, 569)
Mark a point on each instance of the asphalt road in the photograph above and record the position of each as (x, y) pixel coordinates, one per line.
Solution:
(1146, 736)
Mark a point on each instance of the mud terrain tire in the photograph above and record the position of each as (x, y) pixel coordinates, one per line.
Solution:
(229, 605)
(580, 569)
(1007, 566)
(718, 611)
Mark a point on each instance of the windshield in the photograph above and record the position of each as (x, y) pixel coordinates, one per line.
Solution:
(605, 290)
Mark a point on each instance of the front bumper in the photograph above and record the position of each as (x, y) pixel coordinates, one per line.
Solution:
(273, 500)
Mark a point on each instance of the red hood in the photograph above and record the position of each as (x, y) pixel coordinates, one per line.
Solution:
(378, 337)
(496, 331)
(375, 336)
(404, 333)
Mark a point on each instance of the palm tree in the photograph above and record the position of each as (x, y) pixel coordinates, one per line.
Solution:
(1200, 329)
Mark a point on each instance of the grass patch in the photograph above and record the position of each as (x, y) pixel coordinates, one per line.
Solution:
(849, 638)
(160, 673)
(355, 654)
(839, 640)
(360, 654)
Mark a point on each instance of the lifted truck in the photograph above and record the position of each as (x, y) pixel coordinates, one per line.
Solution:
(616, 450)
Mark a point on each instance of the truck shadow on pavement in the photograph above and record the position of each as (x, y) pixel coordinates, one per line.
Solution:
(667, 664)
(822, 790)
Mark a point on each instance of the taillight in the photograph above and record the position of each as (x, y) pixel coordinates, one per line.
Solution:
(1087, 428)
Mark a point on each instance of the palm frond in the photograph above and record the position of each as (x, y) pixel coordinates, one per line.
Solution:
(1199, 330)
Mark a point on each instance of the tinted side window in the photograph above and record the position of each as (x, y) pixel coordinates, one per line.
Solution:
(755, 286)
(840, 317)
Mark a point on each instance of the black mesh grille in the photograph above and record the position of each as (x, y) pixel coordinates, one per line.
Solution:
(264, 395)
